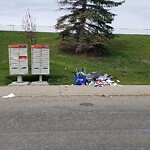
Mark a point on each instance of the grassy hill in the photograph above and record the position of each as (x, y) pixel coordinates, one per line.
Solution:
(129, 59)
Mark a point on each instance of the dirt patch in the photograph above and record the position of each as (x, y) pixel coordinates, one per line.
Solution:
(146, 61)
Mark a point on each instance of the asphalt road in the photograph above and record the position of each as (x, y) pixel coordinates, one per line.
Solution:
(75, 123)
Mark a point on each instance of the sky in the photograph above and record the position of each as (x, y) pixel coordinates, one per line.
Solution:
(132, 14)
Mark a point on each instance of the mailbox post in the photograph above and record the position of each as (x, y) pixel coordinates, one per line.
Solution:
(18, 60)
(40, 60)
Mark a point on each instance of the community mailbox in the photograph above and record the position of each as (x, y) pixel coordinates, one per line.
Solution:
(40, 59)
(18, 59)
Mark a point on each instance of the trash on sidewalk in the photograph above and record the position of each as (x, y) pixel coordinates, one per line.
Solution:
(103, 95)
(9, 96)
(94, 79)
(66, 87)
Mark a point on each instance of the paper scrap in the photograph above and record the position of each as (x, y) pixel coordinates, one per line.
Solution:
(9, 96)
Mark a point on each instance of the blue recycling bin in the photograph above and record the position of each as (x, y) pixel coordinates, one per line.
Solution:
(79, 80)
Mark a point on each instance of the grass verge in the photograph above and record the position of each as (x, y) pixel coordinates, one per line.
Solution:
(128, 61)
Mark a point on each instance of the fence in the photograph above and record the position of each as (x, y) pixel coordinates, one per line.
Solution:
(131, 31)
(52, 29)
(20, 28)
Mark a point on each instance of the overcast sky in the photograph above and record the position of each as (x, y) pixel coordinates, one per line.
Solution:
(132, 14)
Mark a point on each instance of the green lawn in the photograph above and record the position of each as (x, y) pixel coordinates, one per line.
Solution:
(129, 59)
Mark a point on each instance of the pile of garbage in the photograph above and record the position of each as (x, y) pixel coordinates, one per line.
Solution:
(94, 79)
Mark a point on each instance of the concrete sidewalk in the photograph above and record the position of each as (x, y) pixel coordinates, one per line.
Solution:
(62, 90)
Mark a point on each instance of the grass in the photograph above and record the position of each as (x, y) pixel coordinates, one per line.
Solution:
(129, 59)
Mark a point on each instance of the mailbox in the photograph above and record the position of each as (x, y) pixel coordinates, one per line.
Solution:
(40, 59)
(18, 59)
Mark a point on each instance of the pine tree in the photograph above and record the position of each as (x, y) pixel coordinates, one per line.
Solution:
(87, 24)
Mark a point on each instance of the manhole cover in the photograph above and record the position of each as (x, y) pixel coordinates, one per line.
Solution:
(86, 104)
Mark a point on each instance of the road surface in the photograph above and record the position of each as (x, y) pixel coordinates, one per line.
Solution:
(75, 123)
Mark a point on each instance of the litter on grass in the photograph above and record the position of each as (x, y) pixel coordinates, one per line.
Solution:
(95, 79)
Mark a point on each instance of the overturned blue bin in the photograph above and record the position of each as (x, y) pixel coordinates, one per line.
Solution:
(79, 80)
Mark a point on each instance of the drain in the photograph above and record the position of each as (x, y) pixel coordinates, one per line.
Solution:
(86, 104)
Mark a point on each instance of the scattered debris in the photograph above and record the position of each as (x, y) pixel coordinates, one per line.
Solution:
(9, 96)
(103, 95)
(94, 79)
(80, 77)
(66, 87)
(118, 81)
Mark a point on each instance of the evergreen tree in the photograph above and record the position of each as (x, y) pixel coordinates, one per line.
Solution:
(87, 24)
